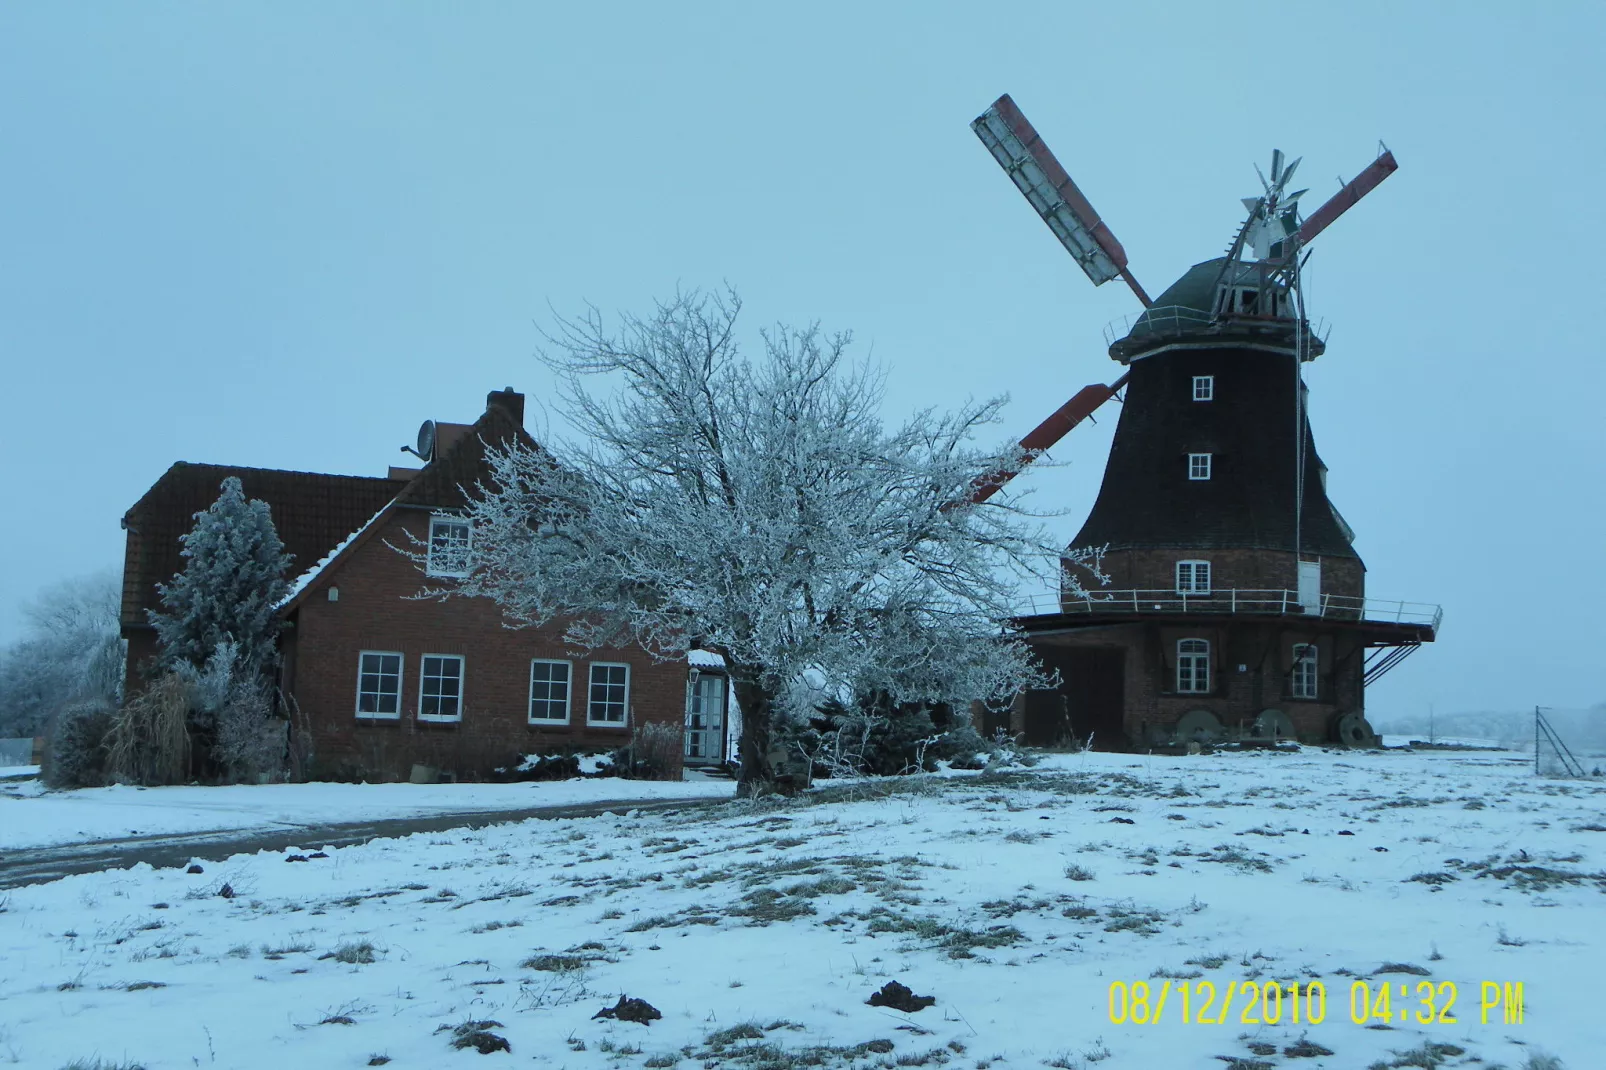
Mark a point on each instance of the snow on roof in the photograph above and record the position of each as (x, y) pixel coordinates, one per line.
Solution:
(303, 581)
(704, 659)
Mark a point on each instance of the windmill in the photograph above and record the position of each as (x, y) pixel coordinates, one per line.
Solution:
(1271, 230)
(1237, 606)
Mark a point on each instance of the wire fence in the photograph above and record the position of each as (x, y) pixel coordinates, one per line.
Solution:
(1552, 756)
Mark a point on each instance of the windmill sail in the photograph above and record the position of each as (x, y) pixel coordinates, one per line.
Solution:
(1022, 154)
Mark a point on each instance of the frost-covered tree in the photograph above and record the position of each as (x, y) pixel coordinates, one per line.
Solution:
(760, 509)
(71, 652)
(233, 576)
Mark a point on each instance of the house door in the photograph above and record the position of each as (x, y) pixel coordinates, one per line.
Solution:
(705, 719)
(1310, 586)
(1095, 688)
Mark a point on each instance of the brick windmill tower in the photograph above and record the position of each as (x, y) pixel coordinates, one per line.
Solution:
(1236, 604)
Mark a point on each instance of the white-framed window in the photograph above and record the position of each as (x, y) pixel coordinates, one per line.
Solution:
(549, 691)
(1204, 388)
(1302, 680)
(449, 539)
(440, 688)
(1198, 466)
(1193, 577)
(379, 685)
(608, 699)
(1193, 666)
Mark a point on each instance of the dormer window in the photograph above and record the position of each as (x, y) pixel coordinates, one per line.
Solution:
(1244, 300)
(1199, 466)
(1204, 388)
(1248, 301)
(449, 538)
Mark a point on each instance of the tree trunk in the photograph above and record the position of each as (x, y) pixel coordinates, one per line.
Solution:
(757, 776)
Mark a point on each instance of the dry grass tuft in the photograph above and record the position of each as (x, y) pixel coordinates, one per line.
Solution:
(149, 740)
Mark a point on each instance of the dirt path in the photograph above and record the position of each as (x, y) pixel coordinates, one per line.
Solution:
(36, 865)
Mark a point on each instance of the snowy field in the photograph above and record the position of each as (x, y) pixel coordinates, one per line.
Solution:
(33, 817)
(759, 930)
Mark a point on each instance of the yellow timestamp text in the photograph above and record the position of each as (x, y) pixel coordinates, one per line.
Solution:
(1305, 1002)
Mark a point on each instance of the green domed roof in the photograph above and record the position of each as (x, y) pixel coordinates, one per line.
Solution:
(1187, 309)
(1196, 289)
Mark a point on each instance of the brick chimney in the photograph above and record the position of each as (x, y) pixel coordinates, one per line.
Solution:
(509, 401)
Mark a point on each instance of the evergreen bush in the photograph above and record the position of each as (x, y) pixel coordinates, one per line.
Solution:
(75, 750)
(233, 578)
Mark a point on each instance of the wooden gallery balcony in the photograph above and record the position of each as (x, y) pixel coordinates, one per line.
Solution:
(1408, 621)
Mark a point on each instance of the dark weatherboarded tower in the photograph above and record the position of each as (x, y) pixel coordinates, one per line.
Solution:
(1236, 604)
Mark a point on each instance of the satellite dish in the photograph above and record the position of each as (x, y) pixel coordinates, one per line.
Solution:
(426, 442)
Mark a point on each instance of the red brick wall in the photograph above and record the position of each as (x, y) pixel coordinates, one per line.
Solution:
(374, 612)
(141, 661)
(1152, 706)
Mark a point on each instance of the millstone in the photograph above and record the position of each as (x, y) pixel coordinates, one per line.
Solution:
(1273, 724)
(1198, 726)
(1353, 730)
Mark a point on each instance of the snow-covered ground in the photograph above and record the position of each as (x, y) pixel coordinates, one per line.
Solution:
(758, 930)
(33, 817)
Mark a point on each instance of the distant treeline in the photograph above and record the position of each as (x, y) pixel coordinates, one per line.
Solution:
(1581, 730)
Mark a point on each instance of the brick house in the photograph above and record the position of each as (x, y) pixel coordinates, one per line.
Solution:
(386, 680)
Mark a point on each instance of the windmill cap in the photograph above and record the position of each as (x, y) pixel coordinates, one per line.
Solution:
(1186, 310)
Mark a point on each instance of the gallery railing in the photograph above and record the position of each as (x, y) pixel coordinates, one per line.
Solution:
(1242, 601)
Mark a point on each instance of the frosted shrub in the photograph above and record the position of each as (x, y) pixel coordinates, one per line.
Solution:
(877, 739)
(653, 753)
(221, 714)
(231, 708)
(251, 742)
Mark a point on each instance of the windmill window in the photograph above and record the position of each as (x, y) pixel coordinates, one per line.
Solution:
(1198, 466)
(449, 540)
(1302, 681)
(1204, 388)
(440, 688)
(1193, 666)
(379, 685)
(1193, 577)
(549, 691)
(610, 694)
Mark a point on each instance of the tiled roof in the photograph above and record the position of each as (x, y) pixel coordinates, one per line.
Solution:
(308, 576)
(311, 511)
(460, 462)
(315, 514)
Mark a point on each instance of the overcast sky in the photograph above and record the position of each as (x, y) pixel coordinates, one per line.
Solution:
(283, 235)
